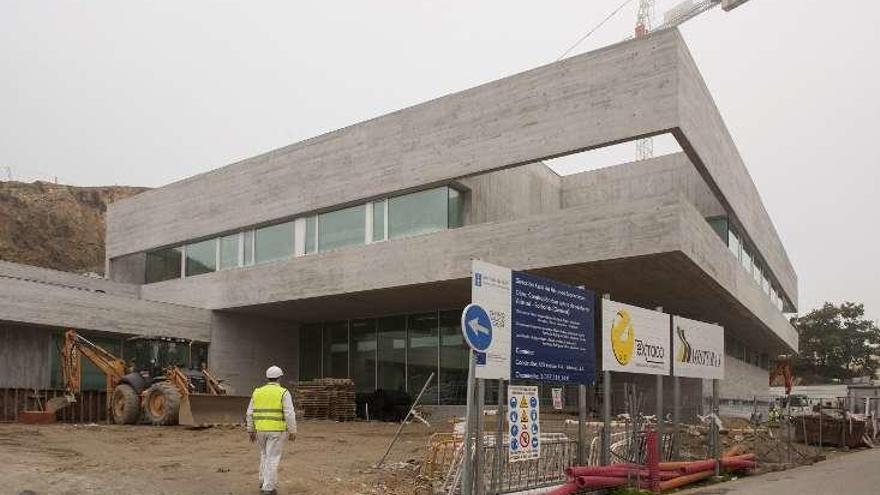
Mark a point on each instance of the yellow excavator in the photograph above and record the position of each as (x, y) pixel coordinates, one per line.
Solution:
(158, 385)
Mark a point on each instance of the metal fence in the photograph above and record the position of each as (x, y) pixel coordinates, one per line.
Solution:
(90, 406)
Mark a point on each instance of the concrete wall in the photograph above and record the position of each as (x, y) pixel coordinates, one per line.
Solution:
(707, 141)
(131, 268)
(742, 381)
(656, 177)
(243, 346)
(511, 194)
(49, 304)
(64, 279)
(24, 356)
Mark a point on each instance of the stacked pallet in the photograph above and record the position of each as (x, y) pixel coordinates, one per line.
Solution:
(326, 398)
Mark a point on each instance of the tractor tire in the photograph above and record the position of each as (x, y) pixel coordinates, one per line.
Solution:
(162, 404)
(125, 405)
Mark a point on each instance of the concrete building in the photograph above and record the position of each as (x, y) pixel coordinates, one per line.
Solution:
(348, 254)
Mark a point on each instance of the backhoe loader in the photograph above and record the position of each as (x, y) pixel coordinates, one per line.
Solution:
(159, 384)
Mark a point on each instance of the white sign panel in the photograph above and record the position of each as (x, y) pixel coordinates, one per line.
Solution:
(523, 423)
(699, 349)
(490, 290)
(634, 340)
(558, 402)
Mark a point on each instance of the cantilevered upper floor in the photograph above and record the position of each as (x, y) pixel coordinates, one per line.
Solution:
(385, 215)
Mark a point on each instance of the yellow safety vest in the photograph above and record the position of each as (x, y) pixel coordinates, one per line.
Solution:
(268, 408)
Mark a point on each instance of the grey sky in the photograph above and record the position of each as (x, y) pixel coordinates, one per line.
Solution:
(105, 92)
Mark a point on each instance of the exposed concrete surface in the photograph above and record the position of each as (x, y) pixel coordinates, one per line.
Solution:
(66, 279)
(24, 357)
(852, 474)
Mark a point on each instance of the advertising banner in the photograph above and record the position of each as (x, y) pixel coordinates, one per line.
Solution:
(558, 401)
(553, 331)
(699, 349)
(523, 423)
(634, 340)
(491, 292)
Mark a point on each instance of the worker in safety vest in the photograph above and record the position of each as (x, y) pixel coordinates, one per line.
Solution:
(270, 422)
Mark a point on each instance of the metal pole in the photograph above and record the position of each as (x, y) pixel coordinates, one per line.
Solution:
(499, 438)
(606, 418)
(676, 415)
(467, 478)
(479, 454)
(716, 440)
(582, 425)
(405, 419)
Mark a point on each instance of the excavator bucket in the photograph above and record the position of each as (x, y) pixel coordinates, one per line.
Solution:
(201, 410)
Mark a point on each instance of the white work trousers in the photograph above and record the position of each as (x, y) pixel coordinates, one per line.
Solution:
(271, 445)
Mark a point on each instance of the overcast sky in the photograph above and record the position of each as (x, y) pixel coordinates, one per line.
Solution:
(145, 93)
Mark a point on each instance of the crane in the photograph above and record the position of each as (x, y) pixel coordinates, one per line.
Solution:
(676, 16)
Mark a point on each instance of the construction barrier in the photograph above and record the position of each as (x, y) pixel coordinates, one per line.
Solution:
(90, 406)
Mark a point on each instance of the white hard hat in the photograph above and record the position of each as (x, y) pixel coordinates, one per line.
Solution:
(274, 372)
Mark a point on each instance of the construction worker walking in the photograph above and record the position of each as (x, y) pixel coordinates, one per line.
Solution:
(271, 421)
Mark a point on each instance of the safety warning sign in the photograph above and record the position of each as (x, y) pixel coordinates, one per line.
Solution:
(523, 422)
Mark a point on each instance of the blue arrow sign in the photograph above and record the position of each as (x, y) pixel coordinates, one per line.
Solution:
(476, 327)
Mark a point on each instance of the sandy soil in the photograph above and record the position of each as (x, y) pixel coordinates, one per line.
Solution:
(327, 458)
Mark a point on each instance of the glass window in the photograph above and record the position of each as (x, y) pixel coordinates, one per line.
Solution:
(201, 257)
(163, 264)
(765, 283)
(421, 356)
(274, 242)
(248, 242)
(392, 353)
(453, 359)
(746, 259)
(719, 225)
(456, 208)
(336, 350)
(362, 349)
(418, 213)
(757, 272)
(311, 234)
(310, 352)
(341, 228)
(379, 220)
(229, 251)
(734, 244)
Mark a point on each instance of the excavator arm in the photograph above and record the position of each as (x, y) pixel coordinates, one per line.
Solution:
(75, 345)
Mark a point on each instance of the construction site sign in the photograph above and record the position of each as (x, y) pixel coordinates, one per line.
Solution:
(634, 340)
(699, 349)
(523, 423)
(491, 291)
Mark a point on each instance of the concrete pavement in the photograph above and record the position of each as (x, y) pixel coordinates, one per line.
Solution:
(852, 474)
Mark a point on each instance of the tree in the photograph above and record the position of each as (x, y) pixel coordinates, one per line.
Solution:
(836, 342)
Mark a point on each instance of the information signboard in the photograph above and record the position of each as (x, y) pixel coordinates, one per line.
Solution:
(491, 291)
(699, 349)
(553, 329)
(523, 423)
(634, 340)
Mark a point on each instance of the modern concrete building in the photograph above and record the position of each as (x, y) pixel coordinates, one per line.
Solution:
(348, 255)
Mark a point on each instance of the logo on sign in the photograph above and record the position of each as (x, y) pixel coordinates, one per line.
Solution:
(623, 337)
(687, 354)
(478, 279)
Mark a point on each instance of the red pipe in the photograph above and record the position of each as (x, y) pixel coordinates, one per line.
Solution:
(599, 481)
(685, 480)
(653, 459)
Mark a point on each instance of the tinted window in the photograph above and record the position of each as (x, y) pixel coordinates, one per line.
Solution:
(229, 251)
(341, 228)
(392, 353)
(421, 355)
(363, 354)
(201, 257)
(379, 221)
(274, 242)
(163, 264)
(418, 213)
(310, 352)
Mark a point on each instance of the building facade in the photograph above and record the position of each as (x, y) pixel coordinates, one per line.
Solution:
(348, 254)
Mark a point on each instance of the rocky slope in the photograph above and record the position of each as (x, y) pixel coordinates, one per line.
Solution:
(56, 226)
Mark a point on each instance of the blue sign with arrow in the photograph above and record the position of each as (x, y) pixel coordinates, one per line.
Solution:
(476, 326)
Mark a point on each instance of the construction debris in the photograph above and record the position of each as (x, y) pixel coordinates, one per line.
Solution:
(326, 398)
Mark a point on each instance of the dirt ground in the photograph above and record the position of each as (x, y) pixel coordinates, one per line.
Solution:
(327, 458)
